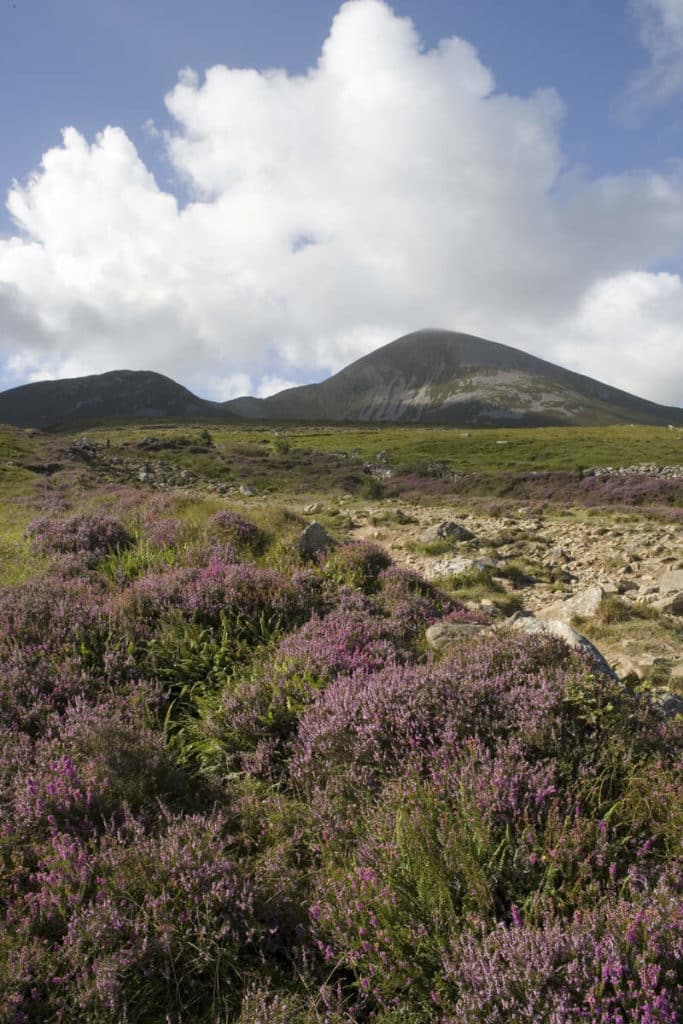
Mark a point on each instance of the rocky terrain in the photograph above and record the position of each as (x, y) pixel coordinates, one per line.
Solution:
(602, 572)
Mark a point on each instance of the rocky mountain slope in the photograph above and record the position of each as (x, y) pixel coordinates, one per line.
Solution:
(120, 394)
(435, 376)
(430, 376)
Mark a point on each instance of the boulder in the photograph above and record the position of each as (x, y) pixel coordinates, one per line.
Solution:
(460, 565)
(445, 634)
(670, 592)
(575, 641)
(314, 540)
(586, 605)
(448, 530)
(671, 582)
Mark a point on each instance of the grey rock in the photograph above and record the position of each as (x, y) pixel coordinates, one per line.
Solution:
(575, 641)
(671, 704)
(671, 591)
(313, 508)
(586, 605)
(447, 530)
(314, 540)
(463, 565)
(247, 491)
(445, 634)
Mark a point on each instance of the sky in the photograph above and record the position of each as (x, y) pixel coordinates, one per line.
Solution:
(248, 194)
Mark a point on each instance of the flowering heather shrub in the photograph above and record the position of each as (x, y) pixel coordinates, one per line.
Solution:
(146, 928)
(94, 534)
(371, 723)
(233, 527)
(358, 831)
(323, 1005)
(353, 637)
(257, 716)
(51, 612)
(357, 564)
(417, 603)
(207, 592)
(618, 963)
(162, 533)
(93, 763)
(34, 686)
(212, 553)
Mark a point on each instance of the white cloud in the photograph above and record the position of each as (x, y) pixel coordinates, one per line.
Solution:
(220, 389)
(271, 386)
(661, 33)
(389, 188)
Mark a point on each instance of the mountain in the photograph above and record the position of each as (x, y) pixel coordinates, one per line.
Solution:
(435, 376)
(430, 376)
(120, 394)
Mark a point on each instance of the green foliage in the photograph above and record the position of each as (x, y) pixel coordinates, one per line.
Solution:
(121, 567)
(281, 444)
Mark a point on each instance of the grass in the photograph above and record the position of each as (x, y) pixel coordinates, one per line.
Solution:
(406, 447)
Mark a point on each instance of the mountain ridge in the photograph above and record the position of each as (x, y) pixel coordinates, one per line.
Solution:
(432, 376)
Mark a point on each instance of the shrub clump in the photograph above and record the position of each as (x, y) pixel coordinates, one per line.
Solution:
(233, 527)
(357, 564)
(89, 534)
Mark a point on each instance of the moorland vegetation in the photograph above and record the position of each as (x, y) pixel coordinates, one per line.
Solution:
(237, 786)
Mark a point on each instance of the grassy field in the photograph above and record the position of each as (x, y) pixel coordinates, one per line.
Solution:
(465, 451)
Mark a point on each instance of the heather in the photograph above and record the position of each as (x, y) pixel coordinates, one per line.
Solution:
(240, 788)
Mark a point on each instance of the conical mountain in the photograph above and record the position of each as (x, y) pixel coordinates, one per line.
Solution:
(436, 376)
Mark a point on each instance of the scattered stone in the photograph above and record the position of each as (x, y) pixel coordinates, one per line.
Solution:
(447, 530)
(445, 634)
(314, 540)
(84, 448)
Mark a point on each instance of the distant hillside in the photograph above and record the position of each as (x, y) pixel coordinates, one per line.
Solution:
(435, 376)
(120, 394)
(430, 376)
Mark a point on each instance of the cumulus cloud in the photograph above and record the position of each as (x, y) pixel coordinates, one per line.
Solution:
(389, 188)
(661, 33)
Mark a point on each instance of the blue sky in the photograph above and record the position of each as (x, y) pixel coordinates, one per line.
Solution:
(595, 171)
(91, 64)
